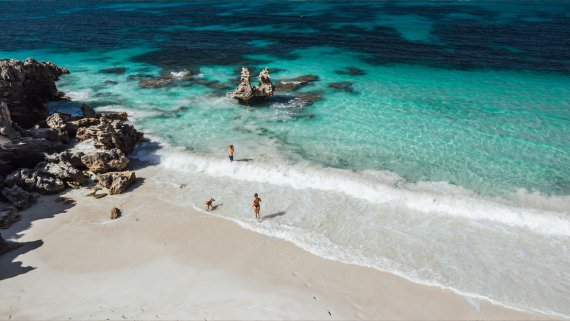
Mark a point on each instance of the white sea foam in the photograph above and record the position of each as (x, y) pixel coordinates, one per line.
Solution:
(383, 188)
(179, 74)
(80, 95)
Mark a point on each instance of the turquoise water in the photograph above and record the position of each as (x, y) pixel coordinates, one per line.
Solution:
(447, 162)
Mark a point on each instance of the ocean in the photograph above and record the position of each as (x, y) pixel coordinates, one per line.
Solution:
(435, 143)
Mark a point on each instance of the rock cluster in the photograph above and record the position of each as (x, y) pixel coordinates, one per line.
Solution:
(33, 155)
(247, 94)
(26, 86)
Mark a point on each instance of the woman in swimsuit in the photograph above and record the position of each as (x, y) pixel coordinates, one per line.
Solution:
(256, 205)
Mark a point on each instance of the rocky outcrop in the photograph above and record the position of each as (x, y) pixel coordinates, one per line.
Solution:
(26, 152)
(51, 134)
(345, 86)
(293, 84)
(71, 157)
(247, 94)
(111, 134)
(115, 213)
(9, 216)
(34, 180)
(116, 182)
(157, 82)
(18, 197)
(64, 171)
(105, 161)
(351, 71)
(87, 111)
(58, 120)
(26, 86)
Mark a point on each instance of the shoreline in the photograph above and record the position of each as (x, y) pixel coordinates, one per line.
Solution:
(234, 271)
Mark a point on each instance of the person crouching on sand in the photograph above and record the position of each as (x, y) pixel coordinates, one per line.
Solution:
(256, 206)
(231, 152)
(209, 203)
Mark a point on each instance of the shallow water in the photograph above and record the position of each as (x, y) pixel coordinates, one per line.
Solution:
(446, 162)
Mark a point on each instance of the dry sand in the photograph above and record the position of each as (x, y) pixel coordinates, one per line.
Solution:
(165, 261)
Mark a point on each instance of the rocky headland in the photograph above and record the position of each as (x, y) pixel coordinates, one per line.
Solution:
(36, 149)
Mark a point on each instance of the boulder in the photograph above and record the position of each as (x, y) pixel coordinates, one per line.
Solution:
(74, 125)
(26, 86)
(88, 112)
(6, 128)
(293, 84)
(18, 197)
(8, 216)
(35, 180)
(105, 161)
(247, 94)
(26, 152)
(58, 120)
(120, 115)
(115, 213)
(116, 182)
(111, 135)
(64, 171)
(71, 157)
(51, 134)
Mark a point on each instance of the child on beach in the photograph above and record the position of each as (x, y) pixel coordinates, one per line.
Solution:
(209, 203)
(256, 206)
(231, 152)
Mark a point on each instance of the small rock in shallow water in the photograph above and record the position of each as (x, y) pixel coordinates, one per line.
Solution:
(345, 86)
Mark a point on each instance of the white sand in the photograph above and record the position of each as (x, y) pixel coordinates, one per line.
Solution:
(163, 261)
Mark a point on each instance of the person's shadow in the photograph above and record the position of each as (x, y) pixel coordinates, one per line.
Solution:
(274, 215)
(216, 206)
(244, 160)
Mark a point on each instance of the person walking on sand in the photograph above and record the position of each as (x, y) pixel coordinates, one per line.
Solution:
(231, 152)
(256, 205)
(209, 203)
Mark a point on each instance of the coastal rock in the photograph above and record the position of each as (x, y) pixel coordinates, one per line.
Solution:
(116, 182)
(26, 86)
(352, 71)
(307, 98)
(18, 197)
(6, 128)
(157, 82)
(9, 216)
(26, 152)
(35, 181)
(74, 125)
(293, 84)
(111, 135)
(73, 158)
(115, 213)
(345, 86)
(51, 134)
(121, 115)
(58, 120)
(247, 94)
(64, 171)
(87, 111)
(105, 161)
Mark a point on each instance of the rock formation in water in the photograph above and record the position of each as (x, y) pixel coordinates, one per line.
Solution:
(111, 133)
(293, 84)
(247, 94)
(26, 86)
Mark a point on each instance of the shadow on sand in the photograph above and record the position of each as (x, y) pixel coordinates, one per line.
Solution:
(48, 207)
(270, 216)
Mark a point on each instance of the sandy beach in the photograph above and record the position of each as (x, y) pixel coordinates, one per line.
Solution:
(165, 261)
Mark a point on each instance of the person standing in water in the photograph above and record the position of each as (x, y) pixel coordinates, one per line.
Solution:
(256, 205)
(231, 152)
